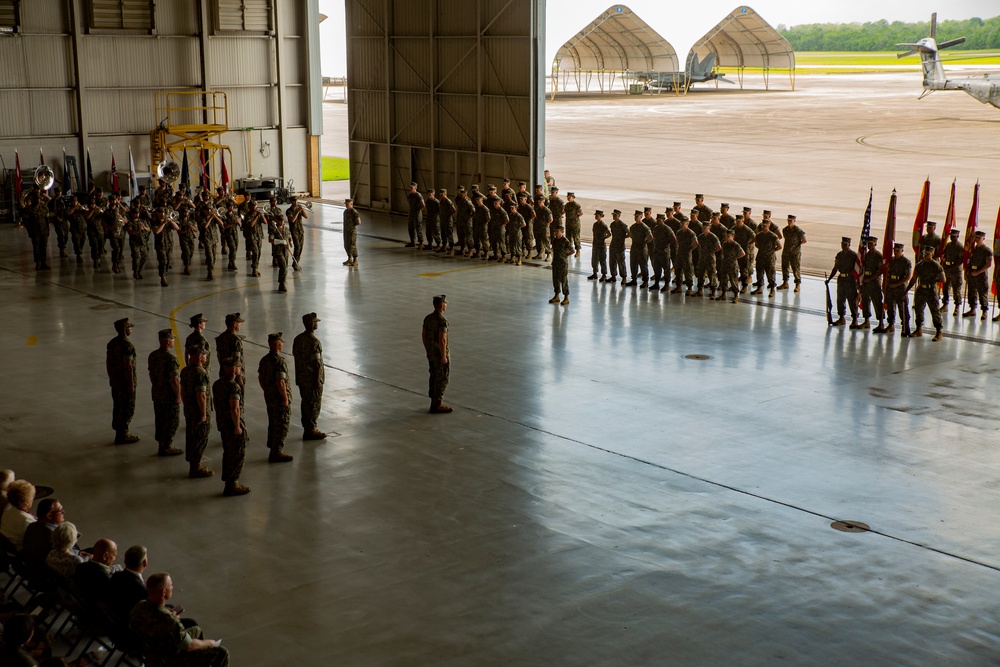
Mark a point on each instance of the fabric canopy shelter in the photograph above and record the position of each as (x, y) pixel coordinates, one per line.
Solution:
(616, 45)
(745, 40)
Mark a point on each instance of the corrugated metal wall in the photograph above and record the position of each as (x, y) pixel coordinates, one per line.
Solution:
(62, 87)
(443, 92)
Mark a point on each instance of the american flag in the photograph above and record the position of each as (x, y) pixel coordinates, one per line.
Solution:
(866, 230)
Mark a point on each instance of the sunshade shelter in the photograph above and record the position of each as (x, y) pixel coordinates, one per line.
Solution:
(616, 48)
(744, 40)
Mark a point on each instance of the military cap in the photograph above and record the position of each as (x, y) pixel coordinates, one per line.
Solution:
(272, 337)
(981, 233)
(955, 232)
(413, 184)
(477, 195)
(599, 212)
(766, 212)
(165, 333)
(616, 212)
(747, 209)
(230, 361)
(442, 191)
(430, 191)
(553, 189)
(512, 205)
(871, 239)
(699, 196)
(475, 187)
(929, 247)
(730, 232)
(677, 203)
(198, 348)
(738, 216)
(197, 319)
(491, 187)
(122, 323)
(348, 201)
(233, 317)
(845, 239)
(716, 214)
(460, 188)
(521, 183)
(898, 246)
(439, 299)
(723, 205)
(647, 209)
(638, 212)
(661, 216)
(522, 195)
(538, 186)
(570, 194)
(931, 222)
(791, 217)
(310, 317)
(539, 197)
(506, 180)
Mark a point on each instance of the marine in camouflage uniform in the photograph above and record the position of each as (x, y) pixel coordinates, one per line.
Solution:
(573, 212)
(951, 261)
(791, 253)
(847, 287)
(727, 220)
(432, 220)
(254, 228)
(464, 211)
(351, 221)
(95, 229)
(166, 641)
(480, 228)
(229, 345)
(227, 396)
(527, 211)
(196, 339)
(211, 227)
(272, 374)
(498, 223)
(77, 227)
(187, 237)
(281, 248)
(197, 399)
(38, 229)
(415, 205)
(447, 217)
(599, 249)
(542, 228)
(232, 225)
(638, 253)
(980, 261)
(434, 335)
(927, 274)
(163, 241)
(700, 211)
(768, 244)
(871, 285)
(114, 231)
(561, 250)
(664, 240)
(743, 235)
(60, 222)
(752, 248)
(164, 377)
(310, 374)
(708, 247)
(687, 241)
(929, 237)
(515, 229)
(558, 208)
(729, 268)
(897, 292)
(138, 241)
(120, 362)
(619, 232)
(296, 214)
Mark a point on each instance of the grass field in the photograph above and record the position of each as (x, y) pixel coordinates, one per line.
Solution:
(840, 62)
(335, 169)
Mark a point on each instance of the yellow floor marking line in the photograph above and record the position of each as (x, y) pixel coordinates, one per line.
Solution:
(173, 316)
(441, 273)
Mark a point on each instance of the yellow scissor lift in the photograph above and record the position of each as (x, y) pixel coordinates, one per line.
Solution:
(190, 119)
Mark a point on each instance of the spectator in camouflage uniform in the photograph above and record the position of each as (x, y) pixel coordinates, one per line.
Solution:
(729, 272)
(896, 292)
(573, 212)
(164, 638)
(120, 364)
(599, 249)
(927, 273)
(195, 388)
(791, 253)
(951, 261)
(434, 335)
(310, 373)
(164, 378)
(871, 285)
(227, 395)
(351, 221)
(979, 282)
(767, 243)
(272, 374)
(847, 287)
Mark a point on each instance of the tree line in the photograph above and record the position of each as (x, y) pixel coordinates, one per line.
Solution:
(883, 35)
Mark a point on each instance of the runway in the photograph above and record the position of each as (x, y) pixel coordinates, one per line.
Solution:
(599, 497)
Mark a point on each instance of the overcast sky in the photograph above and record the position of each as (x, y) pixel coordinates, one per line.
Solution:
(681, 23)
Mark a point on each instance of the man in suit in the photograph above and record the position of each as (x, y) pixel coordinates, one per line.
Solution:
(38, 535)
(94, 576)
(128, 586)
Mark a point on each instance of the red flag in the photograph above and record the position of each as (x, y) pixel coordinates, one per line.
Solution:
(918, 223)
(970, 230)
(225, 172)
(866, 231)
(115, 187)
(888, 240)
(996, 254)
(949, 223)
(17, 176)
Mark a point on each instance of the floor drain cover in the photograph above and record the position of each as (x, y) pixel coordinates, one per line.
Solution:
(850, 526)
(697, 357)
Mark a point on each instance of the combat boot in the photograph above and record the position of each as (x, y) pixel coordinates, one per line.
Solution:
(797, 286)
(313, 435)
(771, 292)
(547, 255)
(167, 450)
(937, 336)
(232, 263)
(866, 324)
(643, 285)
(698, 293)
(631, 283)
(554, 299)
(235, 489)
(199, 471)
(677, 290)
(279, 456)
(944, 307)
(282, 288)
(756, 291)
(593, 276)
(565, 301)
(577, 253)
(983, 316)
(163, 281)
(889, 329)
(211, 276)
(783, 285)
(969, 313)
(347, 262)
(666, 288)
(917, 333)
(955, 313)
(839, 323)
(125, 438)
(187, 270)
(854, 323)
(736, 299)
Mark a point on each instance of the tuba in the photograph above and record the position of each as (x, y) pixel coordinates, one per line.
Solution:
(45, 178)
(168, 171)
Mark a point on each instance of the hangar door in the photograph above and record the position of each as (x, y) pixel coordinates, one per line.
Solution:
(444, 93)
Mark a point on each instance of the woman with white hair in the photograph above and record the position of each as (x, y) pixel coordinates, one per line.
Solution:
(63, 559)
(17, 516)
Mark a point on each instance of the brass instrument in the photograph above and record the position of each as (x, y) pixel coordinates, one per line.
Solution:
(45, 178)
(168, 171)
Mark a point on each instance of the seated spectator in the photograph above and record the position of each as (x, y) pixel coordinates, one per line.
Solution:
(6, 477)
(94, 576)
(128, 586)
(17, 516)
(64, 558)
(17, 632)
(38, 535)
(165, 640)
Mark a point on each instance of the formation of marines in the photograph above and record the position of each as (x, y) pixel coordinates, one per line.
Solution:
(191, 391)
(211, 224)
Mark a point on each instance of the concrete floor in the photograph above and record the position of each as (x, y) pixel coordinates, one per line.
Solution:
(596, 498)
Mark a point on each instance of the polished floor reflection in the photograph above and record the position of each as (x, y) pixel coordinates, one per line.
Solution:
(597, 497)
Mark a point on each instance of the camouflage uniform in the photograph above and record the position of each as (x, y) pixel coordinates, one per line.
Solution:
(542, 228)
(708, 246)
(231, 227)
(527, 212)
(498, 221)
(163, 242)
(187, 233)
(743, 235)
(560, 264)
(272, 369)
(195, 339)
(234, 447)
(619, 232)
(599, 250)
(298, 231)
(351, 221)
(114, 230)
(480, 230)
(791, 253)
(120, 361)
(194, 381)
(95, 235)
(683, 269)
(310, 374)
(415, 202)
(165, 639)
(281, 239)
(847, 286)
(138, 243)
(515, 227)
(78, 231)
(951, 261)
(434, 325)
(210, 237)
(253, 234)
(163, 368)
(573, 211)
(638, 255)
(729, 268)
(979, 286)
(928, 274)
(767, 245)
(432, 220)
(447, 217)
(464, 210)
(897, 298)
(663, 240)
(871, 286)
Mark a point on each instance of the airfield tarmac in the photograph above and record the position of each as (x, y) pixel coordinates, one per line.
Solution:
(814, 152)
